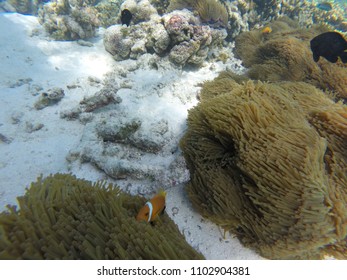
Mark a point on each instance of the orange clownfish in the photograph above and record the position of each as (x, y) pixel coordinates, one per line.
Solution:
(150, 211)
(266, 30)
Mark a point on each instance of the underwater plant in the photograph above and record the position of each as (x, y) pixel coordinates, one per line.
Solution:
(62, 217)
(212, 12)
(268, 162)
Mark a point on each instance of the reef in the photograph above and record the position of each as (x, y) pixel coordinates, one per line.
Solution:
(285, 55)
(178, 35)
(62, 217)
(26, 7)
(246, 15)
(69, 19)
(142, 10)
(268, 162)
(307, 14)
(108, 12)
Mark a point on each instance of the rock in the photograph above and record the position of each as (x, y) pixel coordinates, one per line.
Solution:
(117, 43)
(182, 52)
(142, 10)
(5, 139)
(32, 127)
(159, 39)
(106, 96)
(16, 117)
(49, 98)
(85, 43)
(102, 98)
(20, 82)
(69, 20)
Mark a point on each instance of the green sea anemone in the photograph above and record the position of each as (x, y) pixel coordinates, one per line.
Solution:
(62, 217)
(212, 12)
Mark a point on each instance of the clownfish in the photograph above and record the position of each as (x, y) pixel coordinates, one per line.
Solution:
(266, 30)
(150, 211)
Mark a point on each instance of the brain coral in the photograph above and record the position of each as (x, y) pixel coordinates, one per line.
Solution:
(285, 55)
(62, 217)
(210, 11)
(269, 163)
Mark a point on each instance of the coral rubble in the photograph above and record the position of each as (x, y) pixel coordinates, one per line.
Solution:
(49, 98)
(127, 144)
(62, 217)
(268, 162)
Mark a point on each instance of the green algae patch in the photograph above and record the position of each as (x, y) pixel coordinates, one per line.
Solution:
(62, 217)
(268, 163)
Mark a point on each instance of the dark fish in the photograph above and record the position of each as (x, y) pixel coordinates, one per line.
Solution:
(330, 45)
(126, 17)
(325, 6)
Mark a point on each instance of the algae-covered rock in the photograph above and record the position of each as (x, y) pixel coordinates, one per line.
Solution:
(142, 10)
(285, 55)
(69, 19)
(62, 217)
(49, 98)
(26, 7)
(108, 12)
(268, 162)
(160, 5)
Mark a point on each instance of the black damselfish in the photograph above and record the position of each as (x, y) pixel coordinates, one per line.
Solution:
(330, 45)
(126, 17)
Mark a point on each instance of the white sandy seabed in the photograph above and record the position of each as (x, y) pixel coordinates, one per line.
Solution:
(30, 60)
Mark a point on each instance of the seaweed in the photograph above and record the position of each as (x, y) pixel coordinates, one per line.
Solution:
(63, 217)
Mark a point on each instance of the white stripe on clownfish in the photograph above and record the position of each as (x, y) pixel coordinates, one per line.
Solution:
(150, 206)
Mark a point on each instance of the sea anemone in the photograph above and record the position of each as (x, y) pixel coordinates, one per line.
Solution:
(268, 162)
(212, 12)
(62, 217)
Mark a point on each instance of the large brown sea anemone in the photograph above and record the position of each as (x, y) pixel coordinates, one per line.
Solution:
(268, 162)
(212, 12)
